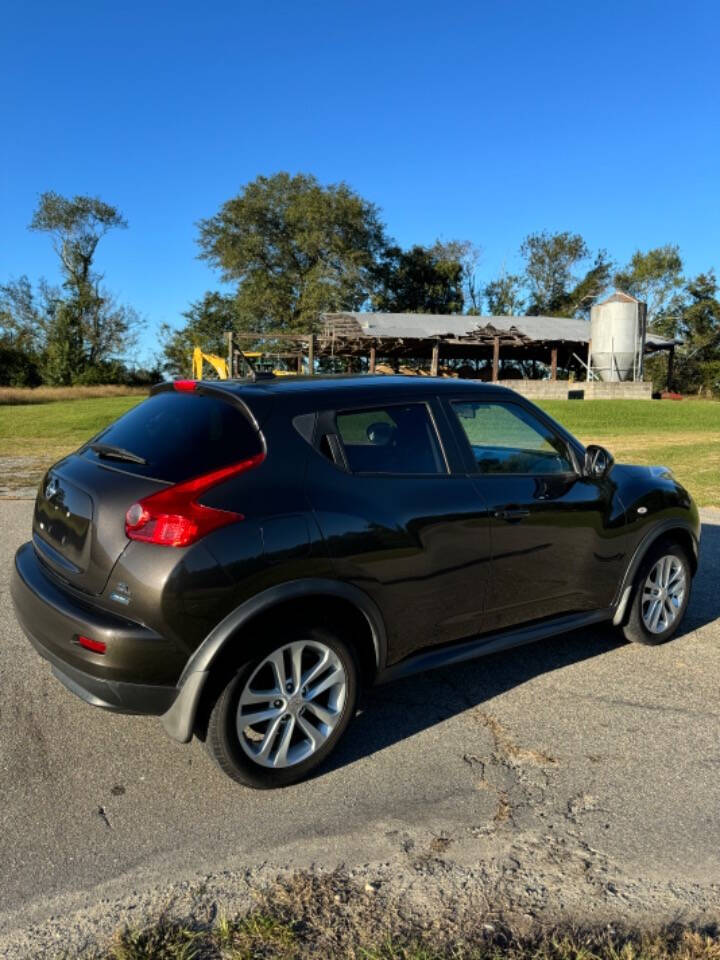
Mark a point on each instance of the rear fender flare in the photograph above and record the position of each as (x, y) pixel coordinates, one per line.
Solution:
(179, 720)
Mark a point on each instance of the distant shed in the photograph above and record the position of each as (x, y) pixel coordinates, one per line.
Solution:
(554, 341)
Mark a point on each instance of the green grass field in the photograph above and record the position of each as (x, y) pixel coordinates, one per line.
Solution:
(684, 436)
(56, 428)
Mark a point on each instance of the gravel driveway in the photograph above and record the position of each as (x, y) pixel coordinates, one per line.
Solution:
(578, 775)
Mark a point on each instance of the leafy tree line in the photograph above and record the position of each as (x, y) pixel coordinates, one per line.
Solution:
(289, 248)
(292, 249)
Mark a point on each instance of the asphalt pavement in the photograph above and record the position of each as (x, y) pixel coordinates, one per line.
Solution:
(584, 744)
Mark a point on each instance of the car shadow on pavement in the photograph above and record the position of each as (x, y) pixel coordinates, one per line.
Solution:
(398, 710)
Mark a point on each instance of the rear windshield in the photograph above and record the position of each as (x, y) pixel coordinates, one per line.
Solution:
(181, 436)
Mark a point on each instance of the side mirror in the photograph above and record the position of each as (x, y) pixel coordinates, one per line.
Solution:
(598, 461)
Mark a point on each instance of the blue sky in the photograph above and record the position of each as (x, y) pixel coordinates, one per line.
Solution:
(480, 121)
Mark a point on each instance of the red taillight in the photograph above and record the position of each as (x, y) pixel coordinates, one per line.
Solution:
(97, 646)
(173, 517)
(185, 386)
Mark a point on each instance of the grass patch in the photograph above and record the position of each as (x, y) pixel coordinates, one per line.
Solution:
(62, 425)
(684, 436)
(25, 395)
(623, 418)
(307, 917)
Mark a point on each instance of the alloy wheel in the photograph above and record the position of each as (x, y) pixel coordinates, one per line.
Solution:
(663, 594)
(291, 704)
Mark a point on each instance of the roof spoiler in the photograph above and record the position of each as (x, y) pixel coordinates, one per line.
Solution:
(209, 389)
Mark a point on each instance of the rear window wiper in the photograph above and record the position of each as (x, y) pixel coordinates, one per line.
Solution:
(117, 453)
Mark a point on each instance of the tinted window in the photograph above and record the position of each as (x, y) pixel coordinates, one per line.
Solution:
(508, 439)
(394, 439)
(181, 435)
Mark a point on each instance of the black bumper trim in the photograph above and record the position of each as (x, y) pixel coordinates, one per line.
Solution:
(115, 696)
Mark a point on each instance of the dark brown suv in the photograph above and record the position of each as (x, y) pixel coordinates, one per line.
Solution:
(240, 557)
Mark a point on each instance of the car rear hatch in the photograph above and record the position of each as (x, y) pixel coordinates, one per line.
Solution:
(172, 437)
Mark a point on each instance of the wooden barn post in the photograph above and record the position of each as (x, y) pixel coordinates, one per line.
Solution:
(435, 358)
(496, 359)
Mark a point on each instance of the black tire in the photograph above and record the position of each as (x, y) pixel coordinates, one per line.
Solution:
(223, 740)
(635, 628)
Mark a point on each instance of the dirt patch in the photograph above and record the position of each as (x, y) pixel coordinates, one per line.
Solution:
(20, 476)
(506, 746)
(344, 915)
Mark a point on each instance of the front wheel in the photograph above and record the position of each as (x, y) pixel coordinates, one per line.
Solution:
(282, 713)
(661, 595)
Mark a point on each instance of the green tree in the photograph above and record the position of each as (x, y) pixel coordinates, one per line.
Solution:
(504, 296)
(208, 321)
(468, 256)
(63, 358)
(698, 358)
(98, 328)
(21, 316)
(295, 248)
(419, 280)
(557, 274)
(655, 277)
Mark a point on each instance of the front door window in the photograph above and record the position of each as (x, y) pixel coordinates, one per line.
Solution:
(507, 439)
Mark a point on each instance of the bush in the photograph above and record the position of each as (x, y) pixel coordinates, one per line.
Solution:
(18, 369)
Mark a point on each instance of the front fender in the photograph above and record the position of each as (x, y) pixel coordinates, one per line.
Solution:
(656, 530)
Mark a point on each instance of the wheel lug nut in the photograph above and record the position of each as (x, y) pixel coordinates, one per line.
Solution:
(288, 686)
(277, 704)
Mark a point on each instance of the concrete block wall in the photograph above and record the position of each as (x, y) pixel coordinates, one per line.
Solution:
(593, 389)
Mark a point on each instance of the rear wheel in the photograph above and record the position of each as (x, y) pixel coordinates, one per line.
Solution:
(282, 713)
(661, 594)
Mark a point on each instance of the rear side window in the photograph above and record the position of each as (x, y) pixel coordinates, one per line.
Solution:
(398, 439)
(181, 435)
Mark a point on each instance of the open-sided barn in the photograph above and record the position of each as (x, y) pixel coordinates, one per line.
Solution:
(557, 342)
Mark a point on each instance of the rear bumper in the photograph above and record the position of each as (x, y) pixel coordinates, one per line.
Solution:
(52, 618)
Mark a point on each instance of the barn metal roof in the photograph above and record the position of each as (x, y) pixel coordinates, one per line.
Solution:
(425, 326)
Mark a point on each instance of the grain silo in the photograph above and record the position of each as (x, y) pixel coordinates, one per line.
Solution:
(617, 331)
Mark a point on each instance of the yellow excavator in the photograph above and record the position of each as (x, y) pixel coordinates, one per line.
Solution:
(220, 364)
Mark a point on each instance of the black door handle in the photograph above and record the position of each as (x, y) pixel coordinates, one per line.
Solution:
(511, 515)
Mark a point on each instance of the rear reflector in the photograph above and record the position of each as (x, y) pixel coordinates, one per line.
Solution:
(173, 517)
(185, 386)
(97, 646)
